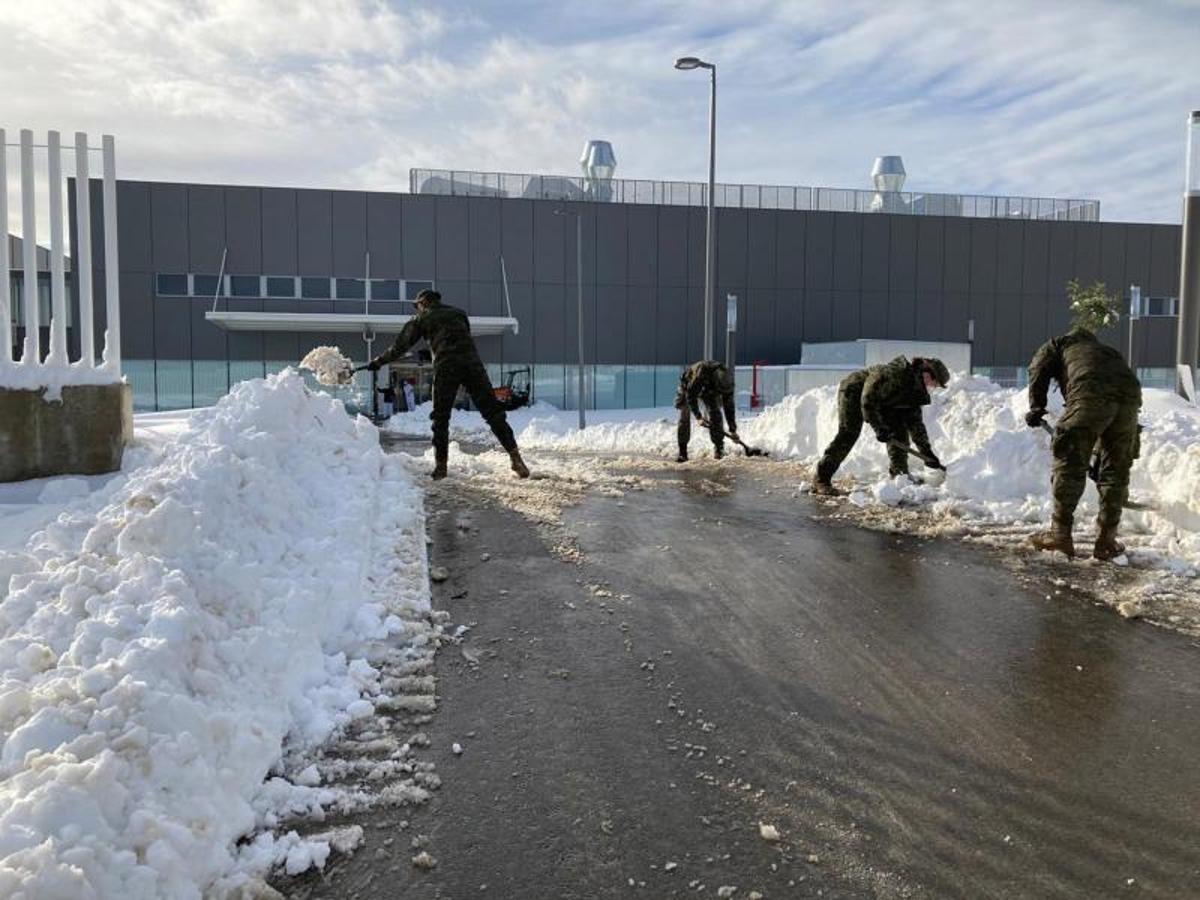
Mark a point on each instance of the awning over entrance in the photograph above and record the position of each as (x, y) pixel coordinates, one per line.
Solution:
(481, 326)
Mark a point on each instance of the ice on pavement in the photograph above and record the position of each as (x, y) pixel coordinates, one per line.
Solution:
(998, 468)
(173, 633)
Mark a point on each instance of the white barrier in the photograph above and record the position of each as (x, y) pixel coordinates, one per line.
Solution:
(57, 369)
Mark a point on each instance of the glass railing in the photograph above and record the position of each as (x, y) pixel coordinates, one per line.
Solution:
(456, 183)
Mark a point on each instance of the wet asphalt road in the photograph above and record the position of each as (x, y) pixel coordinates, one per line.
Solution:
(911, 719)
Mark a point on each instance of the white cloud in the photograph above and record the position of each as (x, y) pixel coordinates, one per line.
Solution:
(1082, 99)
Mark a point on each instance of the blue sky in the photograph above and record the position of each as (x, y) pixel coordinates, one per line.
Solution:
(1064, 99)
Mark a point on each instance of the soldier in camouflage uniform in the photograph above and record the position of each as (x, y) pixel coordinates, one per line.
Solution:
(1102, 397)
(712, 383)
(889, 398)
(455, 363)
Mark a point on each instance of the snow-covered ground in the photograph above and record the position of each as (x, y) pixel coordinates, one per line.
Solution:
(169, 634)
(998, 468)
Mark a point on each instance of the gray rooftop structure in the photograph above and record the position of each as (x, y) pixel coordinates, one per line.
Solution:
(461, 183)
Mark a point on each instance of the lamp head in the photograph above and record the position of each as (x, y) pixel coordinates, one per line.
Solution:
(691, 62)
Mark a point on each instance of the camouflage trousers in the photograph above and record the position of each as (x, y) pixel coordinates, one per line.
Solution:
(850, 423)
(1107, 429)
(716, 422)
(448, 376)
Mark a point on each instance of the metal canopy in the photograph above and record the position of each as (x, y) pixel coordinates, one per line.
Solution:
(481, 326)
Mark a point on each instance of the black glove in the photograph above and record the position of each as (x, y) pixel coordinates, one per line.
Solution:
(882, 435)
(361, 368)
(1034, 417)
(373, 366)
(930, 459)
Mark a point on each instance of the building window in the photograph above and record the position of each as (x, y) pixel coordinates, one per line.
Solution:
(351, 289)
(172, 285)
(1160, 306)
(280, 286)
(205, 285)
(412, 288)
(245, 286)
(314, 288)
(385, 289)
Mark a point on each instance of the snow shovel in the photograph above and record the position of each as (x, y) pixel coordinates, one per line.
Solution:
(1094, 473)
(913, 452)
(750, 451)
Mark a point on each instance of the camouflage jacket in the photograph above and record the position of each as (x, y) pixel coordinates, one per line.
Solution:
(710, 380)
(896, 391)
(446, 328)
(1084, 368)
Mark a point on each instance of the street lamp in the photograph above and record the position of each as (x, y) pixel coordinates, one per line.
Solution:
(561, 211)
(1187, 348)
(686, 63)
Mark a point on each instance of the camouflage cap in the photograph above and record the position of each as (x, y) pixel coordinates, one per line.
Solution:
(431, 298)
(938, 370)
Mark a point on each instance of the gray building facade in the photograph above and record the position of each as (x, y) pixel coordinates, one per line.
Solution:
(799, 276)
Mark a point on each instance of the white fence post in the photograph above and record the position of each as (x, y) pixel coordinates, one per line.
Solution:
(82, 260)
(5, 265)
(112, 273)
(58, 288)
(31, 356)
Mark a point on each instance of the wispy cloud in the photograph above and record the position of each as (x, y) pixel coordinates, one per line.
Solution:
(1081, 99)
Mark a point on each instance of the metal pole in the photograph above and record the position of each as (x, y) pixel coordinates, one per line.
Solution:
(112, 265)
(5, 265)
(82, 262)
(579, 299)
(58, 288)
(709, 254)
(1187, 346)
(32, 354)
(1135, 307)
(730, 331)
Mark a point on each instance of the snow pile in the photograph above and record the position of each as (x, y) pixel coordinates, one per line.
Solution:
(330, 366)
(546, 427)
(180, 628)
(53, 376)
(998, 469)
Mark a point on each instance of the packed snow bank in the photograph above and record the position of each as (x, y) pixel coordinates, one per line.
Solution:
(999, 469)
(547, 427)
(174, 631)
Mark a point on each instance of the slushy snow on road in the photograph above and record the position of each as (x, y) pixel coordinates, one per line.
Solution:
(998, 468)
(171, 636)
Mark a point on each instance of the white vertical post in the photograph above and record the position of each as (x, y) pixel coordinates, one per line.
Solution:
(58, 288)
(5, 265)
(32, 352)
(83, 253)
(112, 271)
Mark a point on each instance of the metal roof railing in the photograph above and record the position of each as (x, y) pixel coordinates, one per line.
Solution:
(459, 183)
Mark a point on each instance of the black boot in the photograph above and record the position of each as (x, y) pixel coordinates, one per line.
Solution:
(440, 455)
(518, 464)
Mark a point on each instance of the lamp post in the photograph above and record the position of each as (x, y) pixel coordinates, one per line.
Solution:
(561, 211)
(685, 63)
(1188, 339)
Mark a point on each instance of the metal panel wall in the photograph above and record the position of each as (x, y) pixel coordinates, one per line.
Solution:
(348, 216)
(279, 231)
(168, 218)
(314, 241)
(384, 235)
(642, 222)
(206, 228)
(798, 275)
(243, 230)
